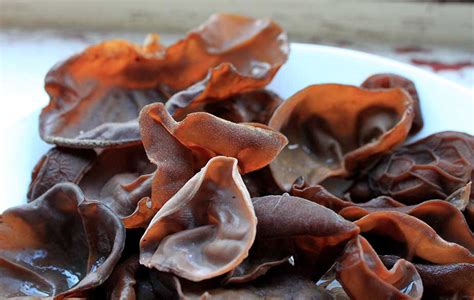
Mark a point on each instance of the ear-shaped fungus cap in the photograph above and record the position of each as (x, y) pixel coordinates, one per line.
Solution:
(59, 245)
(363, 275)
(389, 81)
(334, 129)
(206, 229)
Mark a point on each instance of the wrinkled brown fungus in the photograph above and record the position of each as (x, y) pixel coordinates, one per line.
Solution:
(431, 168)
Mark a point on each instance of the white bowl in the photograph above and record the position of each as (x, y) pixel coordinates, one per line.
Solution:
(445, 105)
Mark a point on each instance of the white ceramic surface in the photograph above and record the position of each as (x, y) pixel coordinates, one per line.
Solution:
(445, 106)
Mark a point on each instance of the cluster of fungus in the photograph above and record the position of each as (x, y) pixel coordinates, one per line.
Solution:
(176, 174)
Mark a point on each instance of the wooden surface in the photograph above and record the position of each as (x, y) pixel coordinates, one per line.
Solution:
(394, 22)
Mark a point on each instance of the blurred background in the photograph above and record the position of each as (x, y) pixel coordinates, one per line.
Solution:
(437, 36)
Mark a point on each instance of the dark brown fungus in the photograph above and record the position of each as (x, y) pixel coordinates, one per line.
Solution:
(59, 165)
(318, 194)
(311, 232)
(261, 183)
(250, 107)
(120, 178)
(132, 281)
(307, 219)
(432, 168)
(264, 255)
(59, 245)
